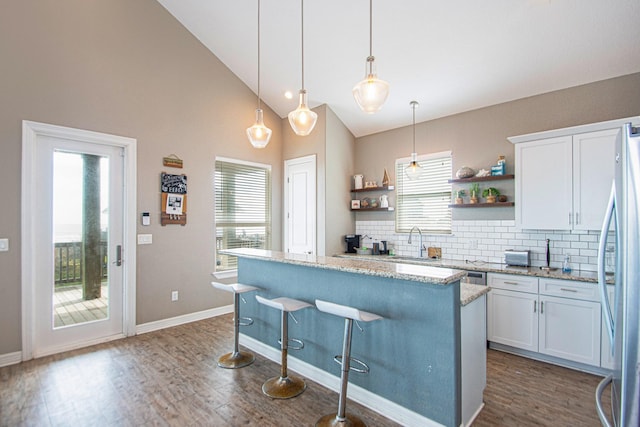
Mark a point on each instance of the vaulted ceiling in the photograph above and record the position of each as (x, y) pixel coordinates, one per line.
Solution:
(450, 56)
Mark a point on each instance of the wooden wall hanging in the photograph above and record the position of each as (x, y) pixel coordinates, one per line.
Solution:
(173, 203)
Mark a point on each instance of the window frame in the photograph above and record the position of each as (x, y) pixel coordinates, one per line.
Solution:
(267, 224)
(442, 204)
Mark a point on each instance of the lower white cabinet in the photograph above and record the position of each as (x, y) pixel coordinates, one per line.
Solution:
(559, 318)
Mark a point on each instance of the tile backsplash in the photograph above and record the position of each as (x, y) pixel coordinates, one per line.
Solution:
(486, 240)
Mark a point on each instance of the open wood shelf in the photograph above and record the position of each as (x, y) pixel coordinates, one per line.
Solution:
(383, 188)
(483, 205)
(373, 209)
(481, 179)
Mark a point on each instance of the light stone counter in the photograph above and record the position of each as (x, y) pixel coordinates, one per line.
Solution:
(404, 271)
(580, 276)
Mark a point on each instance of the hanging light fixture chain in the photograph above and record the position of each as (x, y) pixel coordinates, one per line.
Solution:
(413, 105)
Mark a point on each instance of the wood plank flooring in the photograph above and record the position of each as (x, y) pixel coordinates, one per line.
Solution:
(69, 308)
(170, 378)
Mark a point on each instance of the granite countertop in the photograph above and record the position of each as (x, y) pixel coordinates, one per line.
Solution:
(418, 273)
(396, 270)
(581, 276)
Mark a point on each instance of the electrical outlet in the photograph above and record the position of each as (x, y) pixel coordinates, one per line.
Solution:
(473, 244)
(174, 295)
(4, 245)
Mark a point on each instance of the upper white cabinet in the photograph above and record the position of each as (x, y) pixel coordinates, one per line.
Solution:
(563, 177)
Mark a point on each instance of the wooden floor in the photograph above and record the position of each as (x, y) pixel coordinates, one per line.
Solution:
(69, 308)
(170, 378)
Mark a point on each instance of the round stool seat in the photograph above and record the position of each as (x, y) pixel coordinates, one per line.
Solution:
(284, 386)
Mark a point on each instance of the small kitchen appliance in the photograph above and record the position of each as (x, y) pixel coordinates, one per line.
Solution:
(517, 258)
(353, 242)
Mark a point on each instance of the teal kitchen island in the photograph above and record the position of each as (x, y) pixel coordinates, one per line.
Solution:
(415, 352)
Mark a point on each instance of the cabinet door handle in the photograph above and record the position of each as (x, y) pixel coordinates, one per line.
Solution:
(577, 218)
(569, 217)
(535, 306)
(511, 283)
(569, 290)
(541, 307)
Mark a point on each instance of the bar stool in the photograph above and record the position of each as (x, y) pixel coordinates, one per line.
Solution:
(350, 314)
(236, 359)
(284, 386)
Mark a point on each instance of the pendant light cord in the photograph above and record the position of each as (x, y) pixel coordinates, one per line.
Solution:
(302, 37)
(258, 54)
(414, 126)
(370, 27)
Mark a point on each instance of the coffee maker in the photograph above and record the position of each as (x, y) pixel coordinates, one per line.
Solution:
(353, 242)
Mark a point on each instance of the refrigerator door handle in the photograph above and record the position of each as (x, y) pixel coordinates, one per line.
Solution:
(610, 215)
(601, 387)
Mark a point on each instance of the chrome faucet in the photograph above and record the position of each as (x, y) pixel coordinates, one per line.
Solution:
(421, 248)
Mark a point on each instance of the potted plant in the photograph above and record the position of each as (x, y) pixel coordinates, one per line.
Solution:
(459, 195)
(474, 190)
(490, 194)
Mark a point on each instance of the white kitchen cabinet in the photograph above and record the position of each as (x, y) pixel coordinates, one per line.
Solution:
(559, 318)
(513, 319)
(564, 176)
(544, 184)
(473, 355)
(570, 329)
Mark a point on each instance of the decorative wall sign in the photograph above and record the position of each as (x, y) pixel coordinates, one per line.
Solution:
(173, 203)
(172, 161)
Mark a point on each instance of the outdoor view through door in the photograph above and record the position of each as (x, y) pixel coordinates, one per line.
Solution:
(80, 236)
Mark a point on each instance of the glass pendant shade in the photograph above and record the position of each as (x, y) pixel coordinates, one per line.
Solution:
(371, 93)
(302, 119)
(413, 170)
(259, 134)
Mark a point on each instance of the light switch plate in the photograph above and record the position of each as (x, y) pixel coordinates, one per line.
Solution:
(145, 239)
(4, 245)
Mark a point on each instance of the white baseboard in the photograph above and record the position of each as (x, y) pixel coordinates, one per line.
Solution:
(378, 404)
(181, 320)
(10, 358)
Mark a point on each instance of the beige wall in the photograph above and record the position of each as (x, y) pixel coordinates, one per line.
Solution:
(476, 138)
(333, 145)
(339, 168)
(127, 68)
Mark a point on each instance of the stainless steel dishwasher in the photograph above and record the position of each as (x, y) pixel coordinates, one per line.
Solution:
(476, 278)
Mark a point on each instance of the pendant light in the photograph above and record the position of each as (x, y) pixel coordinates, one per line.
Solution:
(302, 119)
(371, 92)
(259, 134)
(413, 170)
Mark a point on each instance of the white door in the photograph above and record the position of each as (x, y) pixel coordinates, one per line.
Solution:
(300, 205)
(74, 258)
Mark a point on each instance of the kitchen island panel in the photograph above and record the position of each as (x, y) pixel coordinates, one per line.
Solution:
(413, 353)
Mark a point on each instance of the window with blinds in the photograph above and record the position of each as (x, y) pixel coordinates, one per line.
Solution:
(424, 202)
(243, 208)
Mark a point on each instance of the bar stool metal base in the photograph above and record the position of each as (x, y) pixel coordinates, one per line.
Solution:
(283, 387)
(332, 420)
(236, 360)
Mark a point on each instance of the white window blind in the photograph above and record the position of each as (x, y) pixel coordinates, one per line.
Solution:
(424, 202)
(243, 208)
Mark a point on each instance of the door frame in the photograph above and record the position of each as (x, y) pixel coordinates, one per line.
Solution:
(31, 131)
(311, 159)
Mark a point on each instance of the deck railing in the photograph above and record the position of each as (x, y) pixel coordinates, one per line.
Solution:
(68, 262)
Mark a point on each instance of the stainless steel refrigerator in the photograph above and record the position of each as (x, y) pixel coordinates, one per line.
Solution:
(622, 323)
